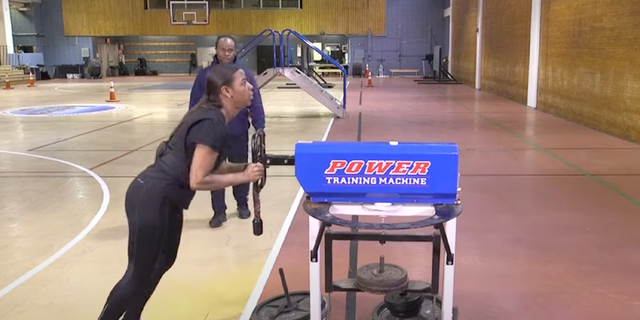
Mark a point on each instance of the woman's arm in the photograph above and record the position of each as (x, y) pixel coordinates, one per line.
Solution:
(201, 178)
(228, 167)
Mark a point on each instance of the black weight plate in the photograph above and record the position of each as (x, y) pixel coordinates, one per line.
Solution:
(426, 313)
(393, 278)
(275, 308)
(404, 304)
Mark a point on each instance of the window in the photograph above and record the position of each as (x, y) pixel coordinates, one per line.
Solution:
(215, 4)
(156, 4)
(271, 4)
(233, 4)
(230, 4)
(251, 4)
(290, 4)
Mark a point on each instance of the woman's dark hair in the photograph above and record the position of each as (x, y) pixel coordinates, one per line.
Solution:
(219, 75)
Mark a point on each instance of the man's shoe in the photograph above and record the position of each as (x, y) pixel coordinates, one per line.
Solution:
(243, 211)
(218, 220)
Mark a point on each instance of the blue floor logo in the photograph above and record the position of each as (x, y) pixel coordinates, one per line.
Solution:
(61, 110)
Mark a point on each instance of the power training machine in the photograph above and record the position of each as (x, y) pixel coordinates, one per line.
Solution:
(391, 186)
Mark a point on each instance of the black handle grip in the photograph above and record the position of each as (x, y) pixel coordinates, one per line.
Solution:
(258, 155)
(263, 181)
(257, 226)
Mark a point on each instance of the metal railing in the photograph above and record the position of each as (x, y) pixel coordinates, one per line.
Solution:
(306, 41)
(257, 40)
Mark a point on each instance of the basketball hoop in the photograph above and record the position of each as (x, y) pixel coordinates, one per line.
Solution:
(189, 13)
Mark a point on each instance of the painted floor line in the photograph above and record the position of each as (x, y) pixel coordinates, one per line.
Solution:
(277, 246)
(106, 196)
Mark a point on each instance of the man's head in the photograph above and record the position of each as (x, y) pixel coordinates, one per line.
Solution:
(225, 49)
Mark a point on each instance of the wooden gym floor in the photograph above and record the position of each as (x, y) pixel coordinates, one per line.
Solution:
(548, 204)
(49, 207)
(551, 209)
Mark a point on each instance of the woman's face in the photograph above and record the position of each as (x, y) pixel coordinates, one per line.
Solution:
(242, 89)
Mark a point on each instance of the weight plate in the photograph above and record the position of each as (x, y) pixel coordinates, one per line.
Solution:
(276, 308)
(381, 312)
(393, 278)
(404, 304)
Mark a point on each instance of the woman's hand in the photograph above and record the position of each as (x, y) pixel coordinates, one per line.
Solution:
(254, 171)
(201, 177)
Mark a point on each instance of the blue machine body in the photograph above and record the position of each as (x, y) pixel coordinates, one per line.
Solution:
(372, 172)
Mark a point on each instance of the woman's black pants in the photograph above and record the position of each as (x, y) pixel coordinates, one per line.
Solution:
(155, 227)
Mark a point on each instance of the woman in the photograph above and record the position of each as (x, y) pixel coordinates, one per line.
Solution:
(189, 160)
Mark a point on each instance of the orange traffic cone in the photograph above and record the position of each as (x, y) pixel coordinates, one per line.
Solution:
(369, 82)
(366, 71)
(7, 83)
(112, 94)
(32, 80)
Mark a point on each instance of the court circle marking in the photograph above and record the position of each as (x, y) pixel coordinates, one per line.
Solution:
(76, 87)
(106, 197)
(63, 110)
(81, 87)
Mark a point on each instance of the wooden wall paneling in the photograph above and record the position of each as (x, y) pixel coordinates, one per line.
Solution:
(128, 18)
(506, 29)
(590, 64)
(463, 40)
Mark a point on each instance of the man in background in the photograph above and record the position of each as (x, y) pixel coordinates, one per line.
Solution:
(237, 150)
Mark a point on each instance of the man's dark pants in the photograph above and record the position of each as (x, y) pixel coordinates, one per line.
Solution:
(237, 151)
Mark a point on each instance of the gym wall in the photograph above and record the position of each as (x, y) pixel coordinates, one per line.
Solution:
(505, 48)
(413, 28)
(42, 26)
(26, 27)
(590, 64)
(129, 18)
(464, 15)
(171, 54)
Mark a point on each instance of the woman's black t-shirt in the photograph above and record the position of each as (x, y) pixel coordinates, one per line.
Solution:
(172, 175)
(211, 133)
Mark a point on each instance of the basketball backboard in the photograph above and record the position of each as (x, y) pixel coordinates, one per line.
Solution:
(189, 12)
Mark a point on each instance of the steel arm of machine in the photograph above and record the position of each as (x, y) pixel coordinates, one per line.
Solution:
(259, 155)
(280, 160)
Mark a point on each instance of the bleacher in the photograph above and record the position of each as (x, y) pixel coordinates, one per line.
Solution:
(15, 76)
